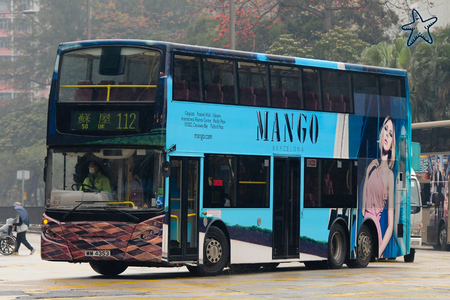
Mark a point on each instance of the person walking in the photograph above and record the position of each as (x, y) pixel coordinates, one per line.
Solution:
(22, 224)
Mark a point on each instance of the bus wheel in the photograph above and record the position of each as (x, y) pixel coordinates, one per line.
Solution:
(443, 238)
(216, 254)
(409, 258)
(108, 268)
(364, 249)
(337, 247)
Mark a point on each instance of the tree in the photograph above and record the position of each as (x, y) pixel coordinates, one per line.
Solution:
(143, 19)
(203, 32)
(57, 21)
(286, 44)
(22, 147)
(430, 74)
(305, 19)
(257, 23)
(370, 18)
(337, 45)
(396, 55)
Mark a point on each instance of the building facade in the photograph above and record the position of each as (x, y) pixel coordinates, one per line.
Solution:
(427, 9)
(13, 22)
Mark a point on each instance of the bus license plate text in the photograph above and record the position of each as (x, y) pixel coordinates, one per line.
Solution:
(102, 253)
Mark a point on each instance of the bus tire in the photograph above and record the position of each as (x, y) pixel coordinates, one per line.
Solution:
(409, 258)
(337, 247)
(108, 268)
(216, 253)
(442, 238)
(364, 249)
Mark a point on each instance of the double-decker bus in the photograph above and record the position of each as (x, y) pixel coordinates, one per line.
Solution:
(163, 154)
(434, 176)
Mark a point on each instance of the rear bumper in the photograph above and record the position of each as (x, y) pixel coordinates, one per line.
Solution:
(416, 242)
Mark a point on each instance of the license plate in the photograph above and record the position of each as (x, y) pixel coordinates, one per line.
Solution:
(102, 253)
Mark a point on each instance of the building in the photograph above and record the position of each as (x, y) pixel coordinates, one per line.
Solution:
(427, 9)
(13, 22)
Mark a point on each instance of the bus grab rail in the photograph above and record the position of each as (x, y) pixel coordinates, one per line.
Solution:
(108, 86)
(122, 202)
(176, 217)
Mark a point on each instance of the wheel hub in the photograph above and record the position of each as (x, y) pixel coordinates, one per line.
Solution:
(213, 251)
(364, 242)
(443, 236)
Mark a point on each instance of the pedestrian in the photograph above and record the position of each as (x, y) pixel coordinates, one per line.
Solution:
(22, 223)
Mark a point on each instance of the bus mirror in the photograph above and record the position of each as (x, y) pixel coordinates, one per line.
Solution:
(45, 169)
(111, 62)
(165, 169)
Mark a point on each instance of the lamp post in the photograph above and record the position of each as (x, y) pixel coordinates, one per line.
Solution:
(232, 24)
(88, 17)
(30, 12)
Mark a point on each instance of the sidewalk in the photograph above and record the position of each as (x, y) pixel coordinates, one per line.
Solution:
(34, 228)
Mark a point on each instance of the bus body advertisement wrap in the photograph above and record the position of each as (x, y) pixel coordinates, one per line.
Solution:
(163, 154)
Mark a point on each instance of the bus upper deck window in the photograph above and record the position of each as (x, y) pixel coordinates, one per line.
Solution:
(109, 74)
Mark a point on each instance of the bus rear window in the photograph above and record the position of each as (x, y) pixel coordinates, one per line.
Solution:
(109, 74)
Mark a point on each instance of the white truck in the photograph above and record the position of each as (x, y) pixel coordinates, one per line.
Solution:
(416, 218)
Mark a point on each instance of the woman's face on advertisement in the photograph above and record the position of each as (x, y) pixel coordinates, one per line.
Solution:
(388, 133)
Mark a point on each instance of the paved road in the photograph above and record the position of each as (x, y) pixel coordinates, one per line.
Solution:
(28, 277)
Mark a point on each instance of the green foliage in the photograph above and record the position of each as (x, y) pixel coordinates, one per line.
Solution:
(57, 21)
(397, 55)
(337, 45)
(430, 78)
(287, 45)
(22, 147)
(8, 177)
(23, 127)
(203, 32)
(367, 18)
(142, 19)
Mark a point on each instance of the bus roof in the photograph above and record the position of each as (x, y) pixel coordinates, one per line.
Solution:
(238, 54)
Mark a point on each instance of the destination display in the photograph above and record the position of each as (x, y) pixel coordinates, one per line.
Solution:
(104, 121)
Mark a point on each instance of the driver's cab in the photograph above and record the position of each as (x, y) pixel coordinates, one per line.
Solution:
(113, 177)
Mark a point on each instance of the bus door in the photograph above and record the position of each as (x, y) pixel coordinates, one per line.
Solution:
(183, 209)
(286, 208)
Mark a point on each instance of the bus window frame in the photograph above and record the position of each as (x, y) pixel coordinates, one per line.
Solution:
(269, 82)
(90, 70)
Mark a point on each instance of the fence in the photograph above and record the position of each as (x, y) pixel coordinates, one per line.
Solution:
(35, 214)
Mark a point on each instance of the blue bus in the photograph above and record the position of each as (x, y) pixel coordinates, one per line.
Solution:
(164, 154)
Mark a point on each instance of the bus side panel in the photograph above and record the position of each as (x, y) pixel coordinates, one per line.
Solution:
(250, 237)
(314, 234)
(383, 193)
